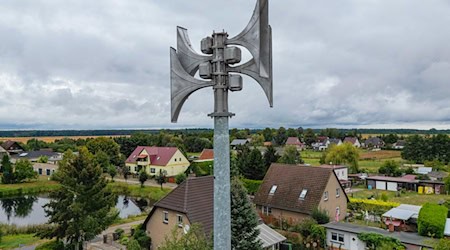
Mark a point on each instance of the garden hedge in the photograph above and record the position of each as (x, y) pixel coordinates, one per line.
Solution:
(431, 220)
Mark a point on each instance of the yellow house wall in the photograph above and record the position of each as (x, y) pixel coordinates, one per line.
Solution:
(333, 201)
(172, 168)
(158, 230)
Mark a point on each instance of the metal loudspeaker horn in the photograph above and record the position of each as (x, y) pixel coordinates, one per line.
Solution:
(182, 84)
(257, 38)
(189, 59)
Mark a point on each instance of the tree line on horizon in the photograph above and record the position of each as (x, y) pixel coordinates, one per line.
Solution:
(115, 132)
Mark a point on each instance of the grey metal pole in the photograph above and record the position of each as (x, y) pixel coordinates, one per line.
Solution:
(222, 199)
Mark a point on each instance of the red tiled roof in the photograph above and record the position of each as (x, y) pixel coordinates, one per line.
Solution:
(290, 181)
(159, 156)
(195, 198)
(207, 154)
(293, 141)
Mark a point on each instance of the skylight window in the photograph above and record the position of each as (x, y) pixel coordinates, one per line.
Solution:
(303, 194)
(273, 189)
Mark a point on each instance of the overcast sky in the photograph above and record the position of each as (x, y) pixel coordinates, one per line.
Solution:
(83, 64)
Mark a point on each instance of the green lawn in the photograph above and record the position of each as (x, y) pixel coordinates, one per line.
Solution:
(154, 193)
(408, 197)
(15, 240)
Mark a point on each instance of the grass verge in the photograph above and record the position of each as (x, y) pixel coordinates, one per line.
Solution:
(16, 240)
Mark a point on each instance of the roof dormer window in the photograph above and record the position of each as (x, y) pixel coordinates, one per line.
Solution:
(303, 194)
(273, 189)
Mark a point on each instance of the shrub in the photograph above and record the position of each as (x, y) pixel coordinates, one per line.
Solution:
(442, 244)
(252, 186)
(384, 197)
(320, 216)
(305, 227)
(371, 205)
(431, 220)
(119, 232)
(141, 237)
(378, 241)
(179, 178)
(133, 245)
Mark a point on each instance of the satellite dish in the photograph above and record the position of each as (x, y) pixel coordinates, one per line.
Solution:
(186, 229)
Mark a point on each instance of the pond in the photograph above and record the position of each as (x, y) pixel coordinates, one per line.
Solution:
(28, 209)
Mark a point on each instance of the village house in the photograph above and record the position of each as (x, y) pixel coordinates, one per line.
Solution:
(154, 159)
(352, 140)
(45, 169)
(292, 192)
(206, 155)
(344, 236)
(321, 143)
(400, 144)
(374, 142)
(3, 152)
(192, 202)
(239, 142)
(294, 141)
(12, 147)
(341, 172)
(335, 141)
(35, 156)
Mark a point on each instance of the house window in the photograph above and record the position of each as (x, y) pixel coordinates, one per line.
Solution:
(152, 170)
(180, 220)
(165, 217)
(40, 171)
(175, 159)
(48, 171)
(179, 159)
(303, 194)
(337, 192)
(266, 210)
(325, 195)
(337, 237)
(273, 189)
(135, 169)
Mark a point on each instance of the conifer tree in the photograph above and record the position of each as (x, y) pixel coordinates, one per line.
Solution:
(243, 219)
(8, 173)
(81, 208)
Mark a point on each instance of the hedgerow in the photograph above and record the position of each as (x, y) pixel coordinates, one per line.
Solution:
(431, 220)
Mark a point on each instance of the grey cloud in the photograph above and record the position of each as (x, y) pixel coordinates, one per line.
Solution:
(105, 64)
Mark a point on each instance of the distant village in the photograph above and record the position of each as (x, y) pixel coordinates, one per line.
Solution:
(351, 186)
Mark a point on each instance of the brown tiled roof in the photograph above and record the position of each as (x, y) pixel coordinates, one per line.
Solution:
(352, 140)
(290, 181)
(207, 154)
(7, 144)
(293, 141)
(195, 198)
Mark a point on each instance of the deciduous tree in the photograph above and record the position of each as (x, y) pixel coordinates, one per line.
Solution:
(291, 156)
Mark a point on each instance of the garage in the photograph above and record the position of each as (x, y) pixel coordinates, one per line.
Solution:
(381, 185)
(392, 186)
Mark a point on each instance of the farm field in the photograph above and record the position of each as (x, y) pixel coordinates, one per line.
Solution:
(53, 138)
